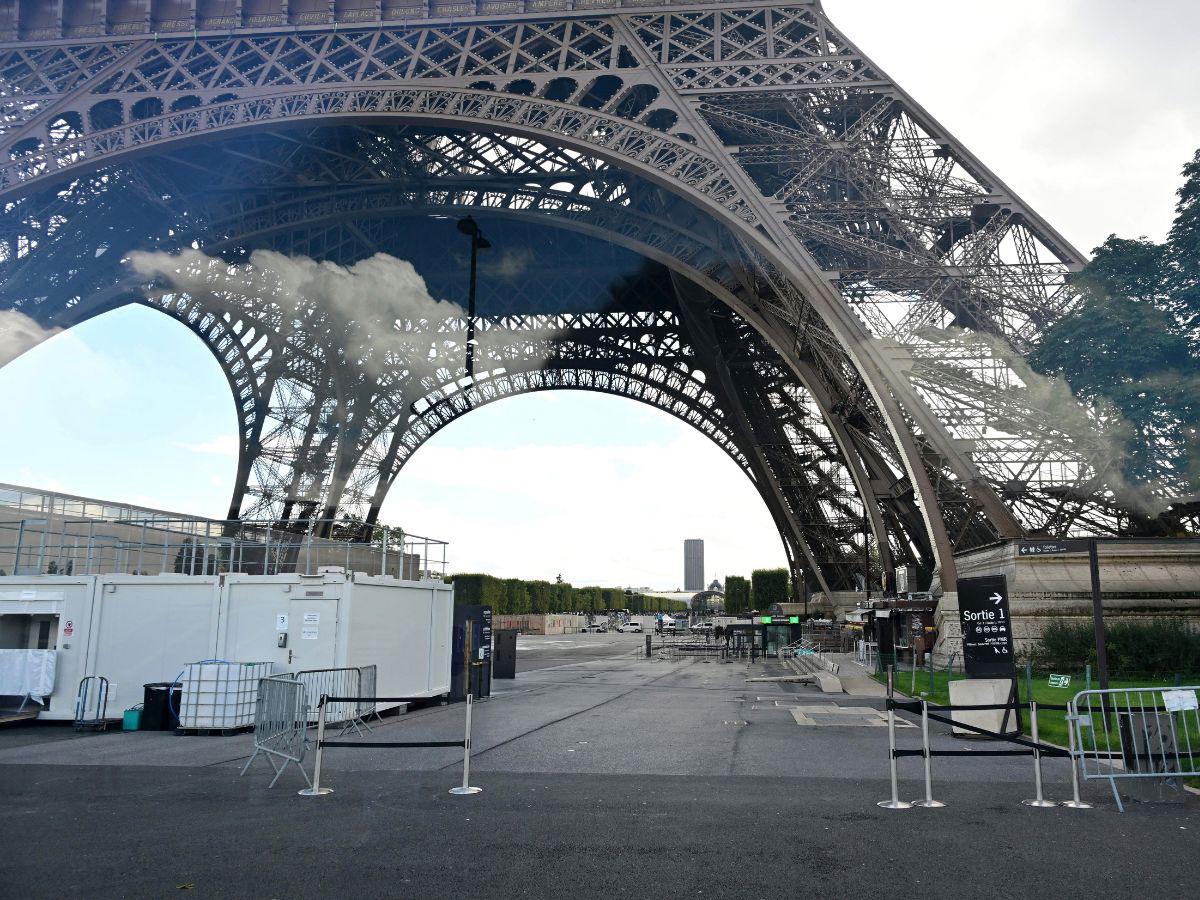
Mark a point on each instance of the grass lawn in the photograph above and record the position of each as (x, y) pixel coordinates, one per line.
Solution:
(1052, 725)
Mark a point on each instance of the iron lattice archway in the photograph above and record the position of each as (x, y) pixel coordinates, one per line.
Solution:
(856, 237)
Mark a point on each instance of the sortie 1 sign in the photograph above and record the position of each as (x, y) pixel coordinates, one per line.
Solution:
(986, 627)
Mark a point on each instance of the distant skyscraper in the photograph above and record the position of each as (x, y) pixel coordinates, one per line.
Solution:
(693, 564)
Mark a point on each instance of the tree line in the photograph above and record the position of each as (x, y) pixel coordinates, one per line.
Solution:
(516, 596)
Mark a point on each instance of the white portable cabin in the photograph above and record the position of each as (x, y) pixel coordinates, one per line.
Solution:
(135, 629)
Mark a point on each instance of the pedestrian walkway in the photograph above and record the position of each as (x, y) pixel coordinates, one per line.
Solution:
(856, 680)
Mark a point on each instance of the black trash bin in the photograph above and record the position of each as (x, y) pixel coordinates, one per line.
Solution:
(160, 698)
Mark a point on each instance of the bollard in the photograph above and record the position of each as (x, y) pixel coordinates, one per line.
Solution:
(1039, 800)
(466, 788)
(316, 790)
(895, 802)
(1074, 802)
(928, 802)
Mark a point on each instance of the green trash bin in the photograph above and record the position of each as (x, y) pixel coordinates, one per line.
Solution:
(132, 720)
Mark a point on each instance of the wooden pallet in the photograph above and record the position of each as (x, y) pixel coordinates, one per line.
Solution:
(12, 716)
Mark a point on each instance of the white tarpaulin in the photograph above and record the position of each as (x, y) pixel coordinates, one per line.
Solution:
(27, 673)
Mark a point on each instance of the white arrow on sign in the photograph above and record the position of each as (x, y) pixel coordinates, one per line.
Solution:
(996, 598)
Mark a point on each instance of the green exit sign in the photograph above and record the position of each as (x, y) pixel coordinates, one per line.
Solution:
(793, 620)
(766, 620)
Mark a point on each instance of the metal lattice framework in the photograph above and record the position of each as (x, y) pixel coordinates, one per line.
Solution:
(727, 212)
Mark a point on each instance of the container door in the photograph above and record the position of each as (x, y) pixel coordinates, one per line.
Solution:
(313, 633)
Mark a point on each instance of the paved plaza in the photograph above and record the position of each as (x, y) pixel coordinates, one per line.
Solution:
(603, 774)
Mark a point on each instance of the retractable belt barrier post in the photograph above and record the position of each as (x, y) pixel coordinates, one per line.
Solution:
(895, 802)
(317, 790)
(1031, 747)
(1039, 799)
(928, 802)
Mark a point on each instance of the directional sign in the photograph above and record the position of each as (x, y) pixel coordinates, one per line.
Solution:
(1052, 548)
(986, 627)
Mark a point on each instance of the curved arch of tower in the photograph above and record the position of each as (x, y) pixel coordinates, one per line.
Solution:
(725, 211)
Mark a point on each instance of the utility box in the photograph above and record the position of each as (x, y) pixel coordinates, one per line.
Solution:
(476, 621)
(504, 654)
(142, 629)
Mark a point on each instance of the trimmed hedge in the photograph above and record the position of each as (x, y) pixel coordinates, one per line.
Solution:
(1152, 647)
(769, 586)
(515, 596)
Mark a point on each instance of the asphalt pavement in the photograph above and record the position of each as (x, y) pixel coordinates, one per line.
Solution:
(603, 774)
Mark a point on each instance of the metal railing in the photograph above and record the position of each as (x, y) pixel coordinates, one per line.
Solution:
(280, 722)
(1136, 733)
(57, 545)
(811, 650)
(864, 653)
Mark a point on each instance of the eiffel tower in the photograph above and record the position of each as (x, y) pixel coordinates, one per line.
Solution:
(726, 211)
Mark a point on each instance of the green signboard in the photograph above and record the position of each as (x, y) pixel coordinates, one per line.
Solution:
(766, 620)
(793, 620)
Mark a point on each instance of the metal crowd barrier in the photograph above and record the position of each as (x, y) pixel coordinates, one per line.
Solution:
(280, 721)
(1030, 747)
(367, 709)
(1136, 733)
(345, 682)
(316, 790)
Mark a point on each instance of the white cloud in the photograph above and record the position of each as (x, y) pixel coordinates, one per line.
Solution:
(226, 445)
(19, 333)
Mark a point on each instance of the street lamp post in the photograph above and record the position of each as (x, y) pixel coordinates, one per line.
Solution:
(470, 228)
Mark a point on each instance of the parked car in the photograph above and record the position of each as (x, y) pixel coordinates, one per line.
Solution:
(594, 629)
(631, 627)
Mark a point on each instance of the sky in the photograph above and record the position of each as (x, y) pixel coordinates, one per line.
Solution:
(1087, 109)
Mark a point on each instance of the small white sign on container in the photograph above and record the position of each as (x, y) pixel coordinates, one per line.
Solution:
(281, 622)
(312, 618)
(308, 634)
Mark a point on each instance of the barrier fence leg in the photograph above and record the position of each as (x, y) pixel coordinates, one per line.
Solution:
(1074, 802)
(466, 788)
(1039, 800)
(928, 802)
(316, 790)
(895, 802)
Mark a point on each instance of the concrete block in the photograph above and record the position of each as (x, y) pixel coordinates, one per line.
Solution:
(980, 691)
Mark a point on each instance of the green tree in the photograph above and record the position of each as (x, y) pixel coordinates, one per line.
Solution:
(769, 586)
(1133, 341)
(737, 595)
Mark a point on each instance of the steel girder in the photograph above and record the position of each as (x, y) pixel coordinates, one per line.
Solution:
(896, 278)
(259, 208)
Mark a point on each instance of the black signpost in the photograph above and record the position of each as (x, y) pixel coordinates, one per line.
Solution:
(986, 627)
(1079, 545)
